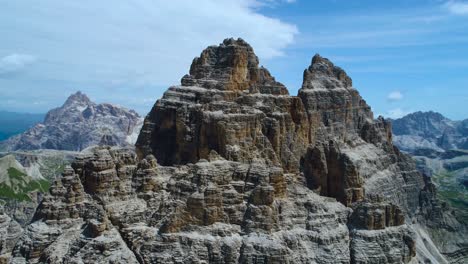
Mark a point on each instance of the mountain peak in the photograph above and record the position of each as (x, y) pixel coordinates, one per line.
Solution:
(232, 65)
(322, 73)
(78, 124)
(436, 116)
(79, 98)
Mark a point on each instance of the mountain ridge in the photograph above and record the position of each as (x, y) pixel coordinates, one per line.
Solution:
(229, 168)
(78, 124)
(430, 130)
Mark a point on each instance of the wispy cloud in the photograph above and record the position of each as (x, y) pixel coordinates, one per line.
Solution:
(132, 44)
(15, 62)
(457, 7)
(135, 36)
(395, 96)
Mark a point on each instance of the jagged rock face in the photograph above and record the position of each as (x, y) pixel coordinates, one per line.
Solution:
(231, 66)
(375, 216)
(215, 211)
(330, 99)
(229, 172)
(78, 124)
(230, 105)
(10, 232)
(332, 174)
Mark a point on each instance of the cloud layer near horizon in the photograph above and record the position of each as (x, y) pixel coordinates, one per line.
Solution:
(15, 62)
(116, 43)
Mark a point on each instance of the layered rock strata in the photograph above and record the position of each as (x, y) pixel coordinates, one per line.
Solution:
(10, 232)
(229, 168)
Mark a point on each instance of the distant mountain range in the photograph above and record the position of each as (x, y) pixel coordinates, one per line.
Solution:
(78, 124)
(440, 148)
(429, 131)
(12, 123)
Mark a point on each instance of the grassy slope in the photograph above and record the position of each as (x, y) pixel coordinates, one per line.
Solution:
(21, 186)
(452, 192)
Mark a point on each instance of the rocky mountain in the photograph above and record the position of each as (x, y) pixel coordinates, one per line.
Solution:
(440, 148)
(78, 124)
(230, 168)
(429, 131)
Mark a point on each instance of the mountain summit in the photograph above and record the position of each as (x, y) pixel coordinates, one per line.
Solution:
(430, 131)
(229, 168)
(77, 98)
(78, 124)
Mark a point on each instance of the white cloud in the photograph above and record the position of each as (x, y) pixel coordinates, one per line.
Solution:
(457, 7)
(144, 41)
(396, 113)
(15, 62)
(395, 96)
(137, 47)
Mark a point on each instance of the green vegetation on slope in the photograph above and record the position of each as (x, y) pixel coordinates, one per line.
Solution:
(21, 185)
(452, 192)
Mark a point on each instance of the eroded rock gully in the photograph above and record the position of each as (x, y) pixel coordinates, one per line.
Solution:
(229, 168)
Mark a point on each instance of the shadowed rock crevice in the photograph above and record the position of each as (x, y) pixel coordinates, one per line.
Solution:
(331, 173)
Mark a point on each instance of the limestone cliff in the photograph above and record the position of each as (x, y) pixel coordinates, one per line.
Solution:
(229, 168)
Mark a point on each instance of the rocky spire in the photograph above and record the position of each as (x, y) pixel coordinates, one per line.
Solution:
(323, 74)
(328, 95)
(231, 66)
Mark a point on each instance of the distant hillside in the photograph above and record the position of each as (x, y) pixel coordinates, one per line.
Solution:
(15, 183)
(12, 123)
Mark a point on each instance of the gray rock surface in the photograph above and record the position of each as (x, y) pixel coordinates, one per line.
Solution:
(229, 168)
(78, 124)
(10, 232)
(431, 131)
(439, 147)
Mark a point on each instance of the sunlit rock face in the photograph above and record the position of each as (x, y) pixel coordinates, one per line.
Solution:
(229, 168)
(230, 105)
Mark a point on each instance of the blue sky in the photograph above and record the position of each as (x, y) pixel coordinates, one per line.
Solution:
(403, 56)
